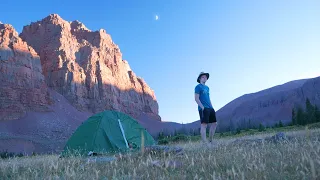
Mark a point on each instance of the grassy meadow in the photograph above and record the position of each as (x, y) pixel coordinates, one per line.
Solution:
(231, 157)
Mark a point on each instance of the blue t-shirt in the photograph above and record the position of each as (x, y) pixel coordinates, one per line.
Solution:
(204, 97)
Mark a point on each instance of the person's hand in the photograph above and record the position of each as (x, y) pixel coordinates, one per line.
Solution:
(203, 108)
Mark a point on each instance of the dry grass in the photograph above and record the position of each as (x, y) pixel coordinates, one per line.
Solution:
(297, 159)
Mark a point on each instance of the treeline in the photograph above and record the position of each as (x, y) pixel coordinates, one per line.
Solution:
(181, 131)
(247, 124)
(300, 116)
(310, 114)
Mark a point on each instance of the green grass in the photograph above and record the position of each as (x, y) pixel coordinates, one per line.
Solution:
(297, 159)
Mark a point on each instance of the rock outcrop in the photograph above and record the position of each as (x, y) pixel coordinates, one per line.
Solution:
(87, 68)
(22, 85)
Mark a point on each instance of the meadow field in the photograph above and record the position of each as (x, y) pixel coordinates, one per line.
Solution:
(255, 156)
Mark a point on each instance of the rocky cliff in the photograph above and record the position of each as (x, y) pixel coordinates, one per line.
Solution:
(22, 85)
(87, 68)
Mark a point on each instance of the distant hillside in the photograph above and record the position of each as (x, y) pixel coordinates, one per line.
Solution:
(268, 106)
(247, 97)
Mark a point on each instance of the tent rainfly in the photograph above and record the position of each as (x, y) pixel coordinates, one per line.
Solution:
(107, 132)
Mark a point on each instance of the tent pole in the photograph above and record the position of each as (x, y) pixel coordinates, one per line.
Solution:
(142, 142)
(124, 136)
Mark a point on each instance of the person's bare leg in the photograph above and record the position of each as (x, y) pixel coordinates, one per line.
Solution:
(212, 131)
(203, 132)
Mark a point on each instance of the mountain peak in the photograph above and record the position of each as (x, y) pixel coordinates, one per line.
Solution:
(78, 25)
(89, 65)
(8, 35)
(54, 17)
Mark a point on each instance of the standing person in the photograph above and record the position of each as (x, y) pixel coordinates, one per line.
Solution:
(206, 111)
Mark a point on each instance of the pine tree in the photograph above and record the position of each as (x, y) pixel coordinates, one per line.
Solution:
(238, 131)
(309, 112)
(161, 135)
(300, 116)
(261, 127)
(194, 133)
(317, 113)
(313, 117)
(280, 124)
(175, 133)
(249, 126)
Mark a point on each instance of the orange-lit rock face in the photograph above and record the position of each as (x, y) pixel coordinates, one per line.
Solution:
(87, 67)
(22, 86)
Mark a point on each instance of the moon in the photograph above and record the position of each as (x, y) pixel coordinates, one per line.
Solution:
(157, 17)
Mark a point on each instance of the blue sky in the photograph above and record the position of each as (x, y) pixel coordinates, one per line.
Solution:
(246, 46)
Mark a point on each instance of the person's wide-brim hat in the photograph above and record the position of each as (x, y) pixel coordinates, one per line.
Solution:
(202, 73)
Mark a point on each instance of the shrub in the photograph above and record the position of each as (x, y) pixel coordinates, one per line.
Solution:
(180, 137)
(221, 134)
(163, 141)
(6, 154)
(261, 128)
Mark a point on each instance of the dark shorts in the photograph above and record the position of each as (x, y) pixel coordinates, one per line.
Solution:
(208, 115)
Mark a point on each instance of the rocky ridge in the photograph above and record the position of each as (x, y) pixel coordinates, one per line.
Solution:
(87, 68)
(22, 84)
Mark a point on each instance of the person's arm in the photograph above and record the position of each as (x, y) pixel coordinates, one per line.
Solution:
(197, 91)
(196, 96)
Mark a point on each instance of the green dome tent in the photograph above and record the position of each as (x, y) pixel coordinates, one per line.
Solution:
(107, 132)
